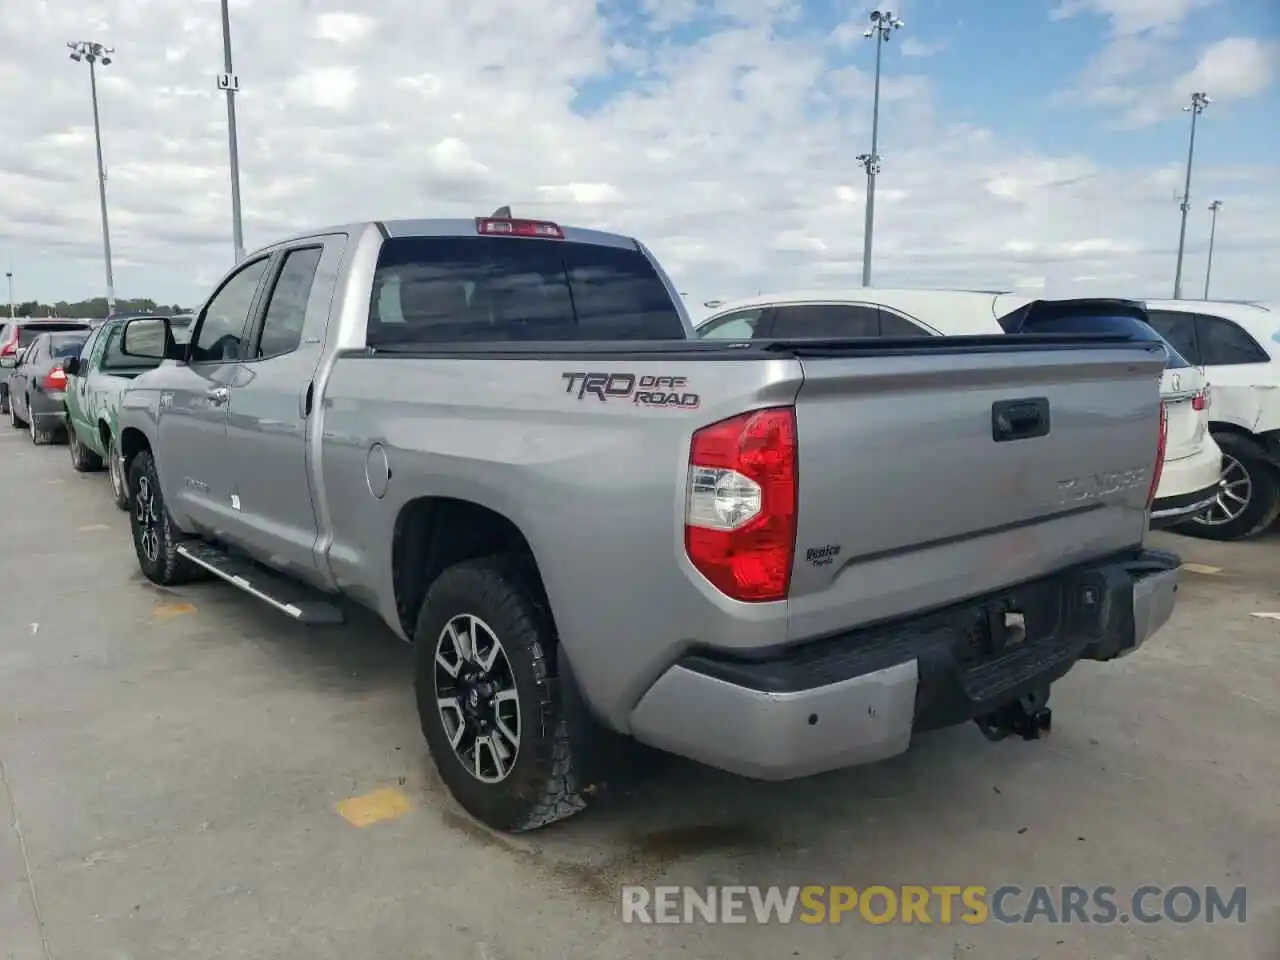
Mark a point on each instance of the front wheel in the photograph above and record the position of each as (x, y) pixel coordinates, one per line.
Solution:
(1248, 500)
(487, 702)
(155, 538)
(115, 470)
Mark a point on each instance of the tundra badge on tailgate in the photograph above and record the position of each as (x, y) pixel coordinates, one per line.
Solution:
(645, 391)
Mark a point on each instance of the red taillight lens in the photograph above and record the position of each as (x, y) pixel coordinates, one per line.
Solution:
(55, 379)
(1201, 400)
(740, 514)
(1160, 448)
(519, 228)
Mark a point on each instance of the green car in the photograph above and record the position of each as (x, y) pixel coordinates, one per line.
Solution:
(95, 382)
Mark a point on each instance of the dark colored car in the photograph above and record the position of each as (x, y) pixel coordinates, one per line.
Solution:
(16, 335)
(38, 384)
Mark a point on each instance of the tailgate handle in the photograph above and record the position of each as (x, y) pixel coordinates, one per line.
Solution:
(1019, 419)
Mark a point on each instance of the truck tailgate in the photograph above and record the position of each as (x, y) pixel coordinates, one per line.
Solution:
(957, 466)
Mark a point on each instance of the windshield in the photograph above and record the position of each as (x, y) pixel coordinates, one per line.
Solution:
(28, 332)
(66, 345)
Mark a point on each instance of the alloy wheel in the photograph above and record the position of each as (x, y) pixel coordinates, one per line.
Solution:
(477, 698)
(1235, 490)
(148, 520)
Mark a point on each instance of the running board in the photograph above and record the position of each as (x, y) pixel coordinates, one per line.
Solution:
(295, 600)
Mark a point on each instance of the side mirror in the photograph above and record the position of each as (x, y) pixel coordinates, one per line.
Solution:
(71, 367)
(149, 338)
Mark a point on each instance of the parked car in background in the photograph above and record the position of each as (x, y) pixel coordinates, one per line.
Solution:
(1238, 347)
(38, 384)
(501, 436)
(1189, 480)
(95, 380)
(16, 335)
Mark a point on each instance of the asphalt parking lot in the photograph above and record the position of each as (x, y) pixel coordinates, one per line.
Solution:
(187, 774)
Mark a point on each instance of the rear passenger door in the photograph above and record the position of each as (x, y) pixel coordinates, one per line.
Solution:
(270, 411)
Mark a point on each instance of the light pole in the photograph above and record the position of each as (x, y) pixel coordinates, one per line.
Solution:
(1199, 100)
(230, 83)
(95, 53)
(1212, 232)
(883, 23)
(9, 276)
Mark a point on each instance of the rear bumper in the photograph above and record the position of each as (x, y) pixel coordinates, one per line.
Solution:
(859, 697)
(1169, 511)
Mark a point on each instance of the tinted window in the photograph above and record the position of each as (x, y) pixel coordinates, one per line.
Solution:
(226, 316)
(494, 289)
(825, 320)
(1222, 342)
(66, 346)
(1179, 329)
(287, 309)
(734, 326)
(1103, 323)
(892, 325)
(28, 333)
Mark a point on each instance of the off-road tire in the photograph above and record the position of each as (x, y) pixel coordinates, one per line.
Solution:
(116, 474)
(169, 568)
(1264, 499)
(83, 460)
(542, 786)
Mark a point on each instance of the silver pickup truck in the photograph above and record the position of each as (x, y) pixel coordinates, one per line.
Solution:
(777, 558)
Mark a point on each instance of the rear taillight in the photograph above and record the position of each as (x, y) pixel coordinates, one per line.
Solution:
(55, 379)
(1160, 448)
(497, 226)
(10, 347)
(740, 516)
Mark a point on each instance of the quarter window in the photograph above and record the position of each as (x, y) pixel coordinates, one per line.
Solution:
(1223, 342)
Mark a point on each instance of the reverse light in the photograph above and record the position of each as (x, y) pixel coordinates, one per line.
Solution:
(740, 512)
(55, 379)
(503, 227)
(1160, 448)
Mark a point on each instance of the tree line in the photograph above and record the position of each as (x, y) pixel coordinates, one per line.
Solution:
(92, 309)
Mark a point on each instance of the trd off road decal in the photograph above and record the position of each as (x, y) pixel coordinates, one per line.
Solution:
(646, 391)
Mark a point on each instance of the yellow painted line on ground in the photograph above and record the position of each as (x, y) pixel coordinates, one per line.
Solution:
(1201, 568)
(91, 527)
(166, 610)
(385, 804)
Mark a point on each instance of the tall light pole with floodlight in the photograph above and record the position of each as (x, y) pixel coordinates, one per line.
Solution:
(1213, 232)
(94, 53)
(883, 23)
(1199, 100)
(230, 83)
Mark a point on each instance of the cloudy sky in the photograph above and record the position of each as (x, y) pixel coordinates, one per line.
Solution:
(1032, 143)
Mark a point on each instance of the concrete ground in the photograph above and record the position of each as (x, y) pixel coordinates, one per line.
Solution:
(185, 774)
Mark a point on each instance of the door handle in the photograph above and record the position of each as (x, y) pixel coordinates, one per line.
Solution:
(218, 396)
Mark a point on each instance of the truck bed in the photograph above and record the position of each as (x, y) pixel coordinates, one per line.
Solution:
(898, 470)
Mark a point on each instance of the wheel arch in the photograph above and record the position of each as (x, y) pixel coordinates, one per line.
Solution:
(432, 533)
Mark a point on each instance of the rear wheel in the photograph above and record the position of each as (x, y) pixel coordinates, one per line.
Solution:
(487, 701)
(115, 470)
(38, 437)
(155, 538)
(83, 460)
(1248, 498)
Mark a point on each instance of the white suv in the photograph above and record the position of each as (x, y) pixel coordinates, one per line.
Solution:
(1189, 482)
(1236, 346)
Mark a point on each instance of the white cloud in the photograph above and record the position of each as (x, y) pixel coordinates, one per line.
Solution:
(733, 157)
(915, 47)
